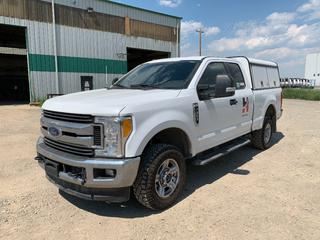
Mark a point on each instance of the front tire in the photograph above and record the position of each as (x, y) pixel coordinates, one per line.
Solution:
(161, 177)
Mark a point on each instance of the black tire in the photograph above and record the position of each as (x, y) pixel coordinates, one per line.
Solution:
(258, 136)
(144, 187)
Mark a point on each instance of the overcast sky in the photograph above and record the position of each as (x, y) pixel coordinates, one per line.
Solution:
(280, 30)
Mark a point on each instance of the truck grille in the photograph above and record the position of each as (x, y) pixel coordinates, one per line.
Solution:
(69, 148)
(68, 117)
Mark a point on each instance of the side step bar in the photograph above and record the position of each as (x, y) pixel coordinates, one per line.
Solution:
(220, 151)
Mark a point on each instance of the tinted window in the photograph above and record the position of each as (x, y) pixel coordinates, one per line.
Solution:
(167, 75)
(236, 75)
(210, 74)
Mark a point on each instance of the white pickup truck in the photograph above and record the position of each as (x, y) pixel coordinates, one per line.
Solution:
(140, 133)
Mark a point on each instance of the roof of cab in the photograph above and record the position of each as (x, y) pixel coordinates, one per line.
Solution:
(193, 58)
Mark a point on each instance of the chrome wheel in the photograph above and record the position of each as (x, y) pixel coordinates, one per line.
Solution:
(267, 133)
(167, 178)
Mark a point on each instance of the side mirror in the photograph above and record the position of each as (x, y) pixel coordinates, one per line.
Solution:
(114, 80)
(224, 86)
(205, 91)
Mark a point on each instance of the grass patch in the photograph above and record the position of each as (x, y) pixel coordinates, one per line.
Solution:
(38, 103)
(41, 102)
(305, 94)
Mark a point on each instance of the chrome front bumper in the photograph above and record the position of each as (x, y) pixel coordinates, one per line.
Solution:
(126, 169)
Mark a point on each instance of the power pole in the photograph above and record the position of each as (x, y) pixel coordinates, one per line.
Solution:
(55, 47)
(200, 31)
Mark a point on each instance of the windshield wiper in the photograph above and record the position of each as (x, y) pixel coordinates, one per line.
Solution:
(142, 86)
(117, 86)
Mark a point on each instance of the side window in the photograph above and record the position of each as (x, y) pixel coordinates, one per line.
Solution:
(236, 75)
(259, 76)
(210, 74)
(273, 76)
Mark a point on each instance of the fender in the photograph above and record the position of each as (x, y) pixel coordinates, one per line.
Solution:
(262, 100)
(152, 125)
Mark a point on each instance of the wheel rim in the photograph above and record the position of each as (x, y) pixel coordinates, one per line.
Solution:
(167, 178)
(267, 133)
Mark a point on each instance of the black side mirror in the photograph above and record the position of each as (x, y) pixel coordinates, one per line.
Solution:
(205, 91)
(224, 86)
(115, 80)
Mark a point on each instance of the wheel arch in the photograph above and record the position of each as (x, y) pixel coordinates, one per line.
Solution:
(173, 136)
(271, 111)
(263, 105)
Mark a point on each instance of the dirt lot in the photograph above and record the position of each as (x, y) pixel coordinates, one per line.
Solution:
(247, 195)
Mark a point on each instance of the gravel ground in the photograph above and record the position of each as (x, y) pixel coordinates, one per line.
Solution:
(249, 194)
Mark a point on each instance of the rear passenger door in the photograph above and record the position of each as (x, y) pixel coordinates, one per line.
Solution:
(243, 109)
(223, 119)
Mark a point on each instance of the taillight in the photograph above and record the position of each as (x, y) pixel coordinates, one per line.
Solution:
(281, 100)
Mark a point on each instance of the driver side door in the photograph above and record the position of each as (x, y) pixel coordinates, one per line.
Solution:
(217, 120)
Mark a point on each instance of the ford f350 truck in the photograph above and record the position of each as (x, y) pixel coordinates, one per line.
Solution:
(139, 134)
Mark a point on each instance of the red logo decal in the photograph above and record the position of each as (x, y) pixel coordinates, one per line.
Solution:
(245, 105)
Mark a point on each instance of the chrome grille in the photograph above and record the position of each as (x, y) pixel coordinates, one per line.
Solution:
(69, 148)
(68, 117)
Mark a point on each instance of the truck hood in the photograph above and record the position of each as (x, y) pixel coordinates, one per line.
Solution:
(106, 102)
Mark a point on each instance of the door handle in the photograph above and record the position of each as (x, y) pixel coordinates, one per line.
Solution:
(233, 101)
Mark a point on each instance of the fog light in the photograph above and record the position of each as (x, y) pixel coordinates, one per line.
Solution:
(99, 173)
(110, 173)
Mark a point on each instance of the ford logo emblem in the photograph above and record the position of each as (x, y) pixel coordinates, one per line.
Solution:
(54, 132)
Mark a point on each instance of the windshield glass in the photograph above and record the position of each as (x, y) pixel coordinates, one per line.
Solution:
(164, 75)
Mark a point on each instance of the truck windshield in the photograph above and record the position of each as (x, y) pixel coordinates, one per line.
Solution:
(163, 75)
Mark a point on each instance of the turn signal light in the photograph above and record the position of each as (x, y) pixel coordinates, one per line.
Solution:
(126, 127)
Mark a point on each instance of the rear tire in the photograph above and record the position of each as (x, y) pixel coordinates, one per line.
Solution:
(161, 177)
(261, 139)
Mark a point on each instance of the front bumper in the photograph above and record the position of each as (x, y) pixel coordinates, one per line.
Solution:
(87, 186)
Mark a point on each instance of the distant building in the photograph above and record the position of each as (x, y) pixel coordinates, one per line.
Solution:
(312, 67)
(86, 45)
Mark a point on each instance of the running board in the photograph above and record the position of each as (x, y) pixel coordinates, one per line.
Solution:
(220, 151)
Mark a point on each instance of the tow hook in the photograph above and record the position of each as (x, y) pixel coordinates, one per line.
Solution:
(38, 158)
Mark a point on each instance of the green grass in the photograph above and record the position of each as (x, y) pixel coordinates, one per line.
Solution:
(305, 94)
(38, 102)
(42, 102)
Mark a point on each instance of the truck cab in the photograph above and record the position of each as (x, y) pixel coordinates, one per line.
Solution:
(139, 134)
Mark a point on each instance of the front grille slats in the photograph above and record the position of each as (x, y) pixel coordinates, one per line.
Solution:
(74, 149)
(97, 135)
(68, 117)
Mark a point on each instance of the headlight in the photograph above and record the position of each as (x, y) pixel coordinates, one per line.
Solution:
(116, 132)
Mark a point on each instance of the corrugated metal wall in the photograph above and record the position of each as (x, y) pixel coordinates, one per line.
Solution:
(84, 52)
(40, 11)
(108, 7)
